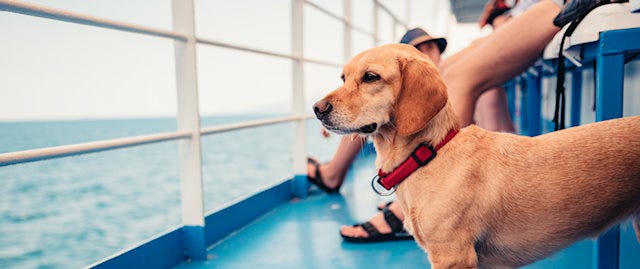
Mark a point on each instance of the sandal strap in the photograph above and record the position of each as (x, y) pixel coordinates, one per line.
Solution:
(371, 231)
(392, 220)
(386, 205)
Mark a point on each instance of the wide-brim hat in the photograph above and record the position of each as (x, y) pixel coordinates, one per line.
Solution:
(417, 36)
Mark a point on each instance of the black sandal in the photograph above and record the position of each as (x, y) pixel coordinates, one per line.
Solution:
(397, 230)
(385, 205)
(317, 179)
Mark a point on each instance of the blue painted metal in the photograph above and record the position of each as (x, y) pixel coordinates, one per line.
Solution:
(170, 249)
(619, 41)
(510, 91)
(299, 186)
(629, 247)
(193, 241)
(607, 249)
(609, 86)
(223, 222)
(164, 251)
(576, 97)
(521, 119)
(533, 112)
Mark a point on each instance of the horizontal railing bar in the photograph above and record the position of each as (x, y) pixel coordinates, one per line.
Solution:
(320, 62)
(249, 124)
(335, 16)
(388, 11)
(323, 10)
(242, 48)
(32, 155)
(73, 17)
(361, 30)
(82, 148)
(68, 16)
(259, 51)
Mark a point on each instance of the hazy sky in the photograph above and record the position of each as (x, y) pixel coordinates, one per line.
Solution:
(53, 70)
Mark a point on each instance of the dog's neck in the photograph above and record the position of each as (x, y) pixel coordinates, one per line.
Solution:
(392, 148)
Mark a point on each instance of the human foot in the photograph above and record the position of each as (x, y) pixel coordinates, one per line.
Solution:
(382, 205)
(315, 172)
(384, 226)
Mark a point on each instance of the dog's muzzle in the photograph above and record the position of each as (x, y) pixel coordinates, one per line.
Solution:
(322, 109)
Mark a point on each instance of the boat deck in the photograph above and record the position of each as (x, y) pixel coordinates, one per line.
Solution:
(304, 234)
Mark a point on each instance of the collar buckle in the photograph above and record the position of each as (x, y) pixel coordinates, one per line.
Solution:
(415, 157)
(378, 188)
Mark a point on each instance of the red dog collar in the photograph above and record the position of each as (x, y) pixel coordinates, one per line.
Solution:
(421, 156)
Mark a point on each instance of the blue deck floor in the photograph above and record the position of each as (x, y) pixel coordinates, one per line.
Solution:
(304, 234)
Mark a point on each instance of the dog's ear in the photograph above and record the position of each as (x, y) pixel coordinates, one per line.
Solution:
(422, 96)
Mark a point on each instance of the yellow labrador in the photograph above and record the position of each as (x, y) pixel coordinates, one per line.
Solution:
(488, 200)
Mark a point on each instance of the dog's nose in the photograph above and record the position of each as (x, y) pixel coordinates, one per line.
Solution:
(322, 108)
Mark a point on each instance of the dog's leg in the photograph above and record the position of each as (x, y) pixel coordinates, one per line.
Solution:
(446, 248)
(449, 255)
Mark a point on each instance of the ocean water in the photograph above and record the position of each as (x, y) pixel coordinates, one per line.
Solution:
(70, 212)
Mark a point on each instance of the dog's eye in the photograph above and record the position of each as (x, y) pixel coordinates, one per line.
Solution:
(342, 77)
(370, 77)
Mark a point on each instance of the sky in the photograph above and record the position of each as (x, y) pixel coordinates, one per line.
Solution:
(60, 70)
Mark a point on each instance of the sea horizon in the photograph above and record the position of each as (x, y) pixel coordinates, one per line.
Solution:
(72, 211)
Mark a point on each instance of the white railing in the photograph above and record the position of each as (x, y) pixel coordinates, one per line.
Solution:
(188, 119)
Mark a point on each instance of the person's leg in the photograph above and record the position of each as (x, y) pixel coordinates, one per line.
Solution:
(334, 171)
(459, 55)
(492, 112)
(505, 53)
(377, 221)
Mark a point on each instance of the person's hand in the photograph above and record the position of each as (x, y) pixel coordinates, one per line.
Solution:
(488, 8)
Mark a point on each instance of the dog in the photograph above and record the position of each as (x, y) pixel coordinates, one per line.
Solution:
(487, 199)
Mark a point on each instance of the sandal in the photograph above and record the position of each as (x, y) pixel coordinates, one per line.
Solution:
(317, 179)
(385, 205)
(397, 230)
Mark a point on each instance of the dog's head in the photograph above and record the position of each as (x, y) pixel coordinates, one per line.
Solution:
(391, 86)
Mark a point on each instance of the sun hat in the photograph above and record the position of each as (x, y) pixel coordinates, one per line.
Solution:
(418, 36)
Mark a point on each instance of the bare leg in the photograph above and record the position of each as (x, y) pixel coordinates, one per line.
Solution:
(507, 52)
(492, 113)
(334, 171)
(460, 55)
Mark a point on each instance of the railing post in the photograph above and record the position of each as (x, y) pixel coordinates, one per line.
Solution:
(510, 91)
(609, 102)
(533, 113)
(346, 54)
(376, 38)
(576, 96)
(189, 120)
(299, 184)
